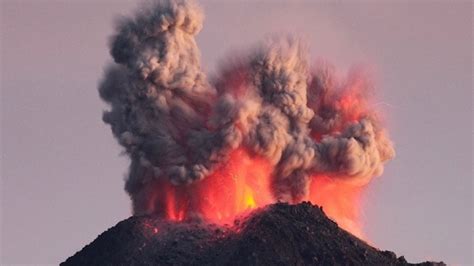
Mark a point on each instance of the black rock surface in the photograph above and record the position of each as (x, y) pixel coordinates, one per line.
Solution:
(279, 234)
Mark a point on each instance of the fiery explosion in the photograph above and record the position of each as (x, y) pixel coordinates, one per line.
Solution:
(268, 128)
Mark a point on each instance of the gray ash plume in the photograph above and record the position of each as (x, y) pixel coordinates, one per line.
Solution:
(178, 127)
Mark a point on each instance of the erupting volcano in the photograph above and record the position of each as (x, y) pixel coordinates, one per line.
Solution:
(225, 171)
(270, 127)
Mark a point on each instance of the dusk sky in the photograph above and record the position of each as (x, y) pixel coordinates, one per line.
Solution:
(62, 171)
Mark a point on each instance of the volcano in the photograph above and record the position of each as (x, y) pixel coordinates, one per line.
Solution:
(278, 234)
(209, 157)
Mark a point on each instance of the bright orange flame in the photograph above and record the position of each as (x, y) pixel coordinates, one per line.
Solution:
(248, 197)
(240, 185)
(243, 184)
(236, 187)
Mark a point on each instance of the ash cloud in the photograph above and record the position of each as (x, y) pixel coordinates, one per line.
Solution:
(176, 125)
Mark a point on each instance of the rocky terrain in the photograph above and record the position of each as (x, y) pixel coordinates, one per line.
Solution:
(279, 234)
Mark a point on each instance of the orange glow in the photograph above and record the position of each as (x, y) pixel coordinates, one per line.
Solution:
(243, 184)
(351, 107)
(239, 186)
(248, 197)
(340, 201)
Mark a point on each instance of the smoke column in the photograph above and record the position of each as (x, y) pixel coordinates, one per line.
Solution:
(269, 127)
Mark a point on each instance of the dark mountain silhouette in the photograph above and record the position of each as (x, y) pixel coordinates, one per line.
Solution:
(279, 234)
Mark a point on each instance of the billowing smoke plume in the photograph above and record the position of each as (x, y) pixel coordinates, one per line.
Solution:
(177, 126)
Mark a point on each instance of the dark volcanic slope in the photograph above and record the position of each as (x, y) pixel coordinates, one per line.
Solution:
(279, 234)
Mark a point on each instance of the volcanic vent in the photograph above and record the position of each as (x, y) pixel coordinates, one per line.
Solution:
(270, 127)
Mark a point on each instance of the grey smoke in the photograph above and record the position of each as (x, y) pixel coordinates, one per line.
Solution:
(176, 125)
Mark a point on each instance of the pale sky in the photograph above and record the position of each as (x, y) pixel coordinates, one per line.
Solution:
(62, 173)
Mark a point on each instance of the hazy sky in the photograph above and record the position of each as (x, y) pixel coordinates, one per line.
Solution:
(62, 173)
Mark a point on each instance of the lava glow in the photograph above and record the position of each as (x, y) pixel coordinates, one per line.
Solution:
(340, 201)
(239, 186)
(244, 184)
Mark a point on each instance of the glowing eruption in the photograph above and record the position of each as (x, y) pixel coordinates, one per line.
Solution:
(267, 128)
(340, 201)
(239, 186)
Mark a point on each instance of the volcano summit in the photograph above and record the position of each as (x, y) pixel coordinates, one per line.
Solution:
(279, 234)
